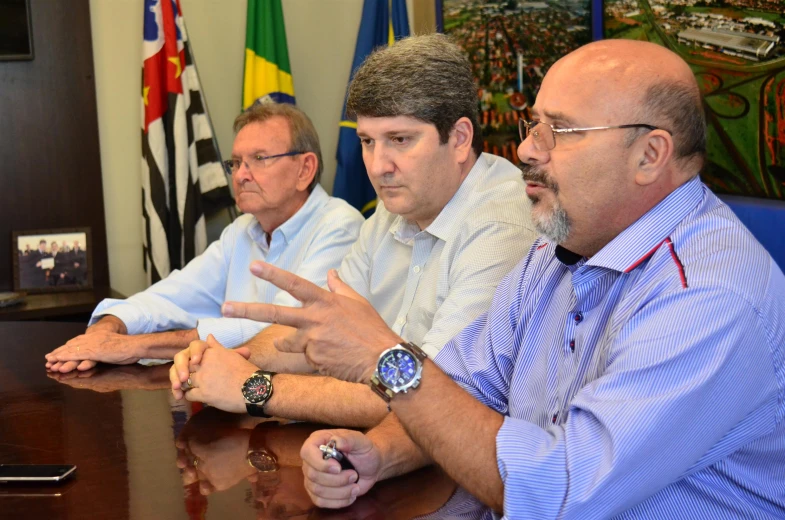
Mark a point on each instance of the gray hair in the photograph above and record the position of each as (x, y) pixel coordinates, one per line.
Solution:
(425, 77)
(677, 107)
(301, 130)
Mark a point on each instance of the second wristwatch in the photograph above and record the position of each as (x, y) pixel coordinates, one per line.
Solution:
(257, 390)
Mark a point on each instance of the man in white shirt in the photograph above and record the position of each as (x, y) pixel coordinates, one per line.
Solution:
(450, 223)
(289, 221)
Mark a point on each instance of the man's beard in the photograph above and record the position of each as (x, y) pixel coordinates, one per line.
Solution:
(555, 225)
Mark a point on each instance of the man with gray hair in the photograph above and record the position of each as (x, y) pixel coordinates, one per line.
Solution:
(450, 223)
(289, 221)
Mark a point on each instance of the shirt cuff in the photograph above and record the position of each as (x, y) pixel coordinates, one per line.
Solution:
(230, 332)
(430, 349)
(136, 321)
(532, 465)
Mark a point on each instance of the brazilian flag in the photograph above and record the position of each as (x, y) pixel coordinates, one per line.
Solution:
(383, 22)
(268, 75)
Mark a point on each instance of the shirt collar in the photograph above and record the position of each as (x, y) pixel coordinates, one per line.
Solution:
(404, 230)
(444, 225)
(289, 229)
(638, 241)
(445, 221)
(449, 217)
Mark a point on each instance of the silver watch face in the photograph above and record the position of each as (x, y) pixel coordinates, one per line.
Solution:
(398, 369)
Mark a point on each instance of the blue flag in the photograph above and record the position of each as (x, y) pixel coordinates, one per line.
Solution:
(377, 29)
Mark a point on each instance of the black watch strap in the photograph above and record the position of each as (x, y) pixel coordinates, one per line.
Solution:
(256, 410)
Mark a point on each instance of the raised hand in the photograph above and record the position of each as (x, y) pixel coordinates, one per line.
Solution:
(339, 332)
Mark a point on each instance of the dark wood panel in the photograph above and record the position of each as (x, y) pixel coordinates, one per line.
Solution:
(50, 170)
(44, 422)
(140, 454)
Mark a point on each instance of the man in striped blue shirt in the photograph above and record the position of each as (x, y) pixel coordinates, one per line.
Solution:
(631, 366)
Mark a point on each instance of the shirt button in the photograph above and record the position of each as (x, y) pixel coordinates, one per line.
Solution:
(579, 317)
(572, 345)
(400, 321)
(416, 268)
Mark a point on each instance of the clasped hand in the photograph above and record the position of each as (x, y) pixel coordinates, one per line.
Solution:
(106, 341)
(339, 331)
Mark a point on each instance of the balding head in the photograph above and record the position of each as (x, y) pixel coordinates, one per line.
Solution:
(643, 82)
(622, 128)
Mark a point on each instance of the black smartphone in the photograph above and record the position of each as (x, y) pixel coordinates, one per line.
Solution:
(35, 472)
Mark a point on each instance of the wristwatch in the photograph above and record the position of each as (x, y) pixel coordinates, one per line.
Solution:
(399, 369)
(257, 390)
(262, 459)
(259, 455)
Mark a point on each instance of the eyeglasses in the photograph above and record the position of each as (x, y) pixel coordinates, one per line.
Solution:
(545, 135)
(255, 162)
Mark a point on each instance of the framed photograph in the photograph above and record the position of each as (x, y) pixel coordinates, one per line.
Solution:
(736, 49)
(16, 32)
(52, 260)
(511, 44)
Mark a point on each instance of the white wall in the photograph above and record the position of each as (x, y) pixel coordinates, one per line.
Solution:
(321, 35)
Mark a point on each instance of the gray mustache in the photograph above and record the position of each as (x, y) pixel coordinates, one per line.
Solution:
(535, 174)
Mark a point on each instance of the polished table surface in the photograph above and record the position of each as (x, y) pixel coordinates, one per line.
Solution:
(142, 455)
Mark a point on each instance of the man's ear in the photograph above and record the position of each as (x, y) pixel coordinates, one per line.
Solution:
(307, 171)
(653, 154)
(461, 137)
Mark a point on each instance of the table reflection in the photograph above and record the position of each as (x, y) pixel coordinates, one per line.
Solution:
(218, 450)
(144, 446)
(108, 378)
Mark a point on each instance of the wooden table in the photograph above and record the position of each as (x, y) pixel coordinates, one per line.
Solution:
(141, 455)
(63, 306)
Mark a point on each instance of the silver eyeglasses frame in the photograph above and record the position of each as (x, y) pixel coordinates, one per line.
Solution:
(230, 168)
(526, 128)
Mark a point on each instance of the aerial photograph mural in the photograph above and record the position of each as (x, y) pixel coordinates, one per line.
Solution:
(737, 52)
(511, 44)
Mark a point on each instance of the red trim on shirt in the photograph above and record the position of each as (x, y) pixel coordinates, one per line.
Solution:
(679, 266)
(644, 257)
(675, 257)
(542, 245)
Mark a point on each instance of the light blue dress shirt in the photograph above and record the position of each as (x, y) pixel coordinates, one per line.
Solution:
(645, 382)
(427, 285)
(313, 241)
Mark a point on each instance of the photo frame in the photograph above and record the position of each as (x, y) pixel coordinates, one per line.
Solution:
(52, 260)
(16, 30)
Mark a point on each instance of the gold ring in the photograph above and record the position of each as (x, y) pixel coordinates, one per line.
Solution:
(187, 385)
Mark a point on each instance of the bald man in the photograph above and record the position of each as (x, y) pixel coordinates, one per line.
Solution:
(632, 365)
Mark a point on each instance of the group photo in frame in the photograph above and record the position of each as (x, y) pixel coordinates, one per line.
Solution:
(16, 31)
(52, 260)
